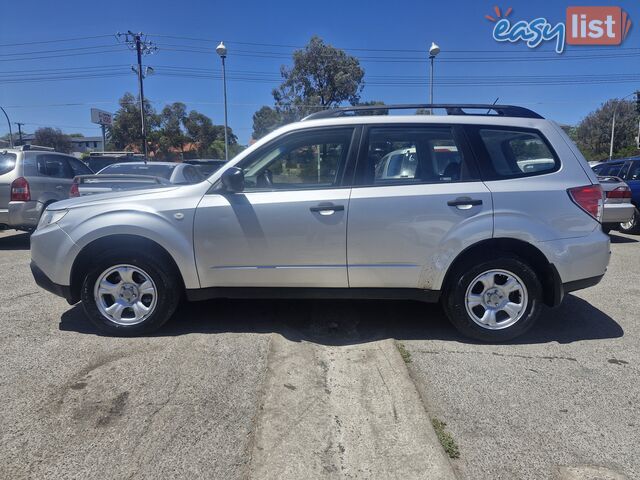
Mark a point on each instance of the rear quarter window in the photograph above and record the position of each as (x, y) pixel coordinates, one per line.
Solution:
(7, 162)
(513, 152)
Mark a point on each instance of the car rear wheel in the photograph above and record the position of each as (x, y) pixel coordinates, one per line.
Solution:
(128, 295)
(494, 300)
(633, 225)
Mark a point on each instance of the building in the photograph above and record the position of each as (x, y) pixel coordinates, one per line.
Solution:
(86, 144)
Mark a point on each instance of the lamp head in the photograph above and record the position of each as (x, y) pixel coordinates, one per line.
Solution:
(221, 50)
(434, 49)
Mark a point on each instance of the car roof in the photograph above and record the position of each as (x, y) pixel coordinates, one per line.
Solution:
(128, 164)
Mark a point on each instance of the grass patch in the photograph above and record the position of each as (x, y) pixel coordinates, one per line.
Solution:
(446, 440)
(404, 353)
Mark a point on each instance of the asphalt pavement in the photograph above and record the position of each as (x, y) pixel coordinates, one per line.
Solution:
(315, 389)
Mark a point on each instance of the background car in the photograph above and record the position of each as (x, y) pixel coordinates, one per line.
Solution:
(31, 178)
(628, 169)
(206, 166)
(135, 175)
(617, 204)
(99, 160)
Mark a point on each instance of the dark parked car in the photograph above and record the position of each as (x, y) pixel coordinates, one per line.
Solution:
(628, 169)
(98, 160)
(206, 166)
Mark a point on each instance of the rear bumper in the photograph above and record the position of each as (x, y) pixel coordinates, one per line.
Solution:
(4, 217)
(617, 212)
(25, 214)
(49, 285)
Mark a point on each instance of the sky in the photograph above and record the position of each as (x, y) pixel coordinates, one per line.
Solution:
(51, 73)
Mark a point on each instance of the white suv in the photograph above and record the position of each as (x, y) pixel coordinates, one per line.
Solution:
(308, 211)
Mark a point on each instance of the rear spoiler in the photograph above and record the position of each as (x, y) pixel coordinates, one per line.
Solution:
(120, 177)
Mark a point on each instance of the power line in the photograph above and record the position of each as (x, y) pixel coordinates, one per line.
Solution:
(55, 41)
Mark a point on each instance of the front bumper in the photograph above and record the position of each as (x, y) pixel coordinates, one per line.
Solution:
(45, 282)
(617, 212)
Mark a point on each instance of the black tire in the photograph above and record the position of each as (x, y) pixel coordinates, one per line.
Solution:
(634, 226)
(161, 272)
(454, 300)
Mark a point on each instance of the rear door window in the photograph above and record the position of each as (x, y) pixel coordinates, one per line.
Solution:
(79, 168)
(634, 172)
(54, 166)
(7, 162)
(415, 154)
(612, 170)
(512, 152)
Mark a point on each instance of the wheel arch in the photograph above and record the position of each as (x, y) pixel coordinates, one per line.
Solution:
(114, 242)
(545, 270)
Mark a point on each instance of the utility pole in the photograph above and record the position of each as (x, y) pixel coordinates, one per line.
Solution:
(8, 123)
(19, 124)
(138, 42)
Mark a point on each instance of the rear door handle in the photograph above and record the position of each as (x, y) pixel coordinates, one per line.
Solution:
(464, 203)
(327, 208)
(59, 187)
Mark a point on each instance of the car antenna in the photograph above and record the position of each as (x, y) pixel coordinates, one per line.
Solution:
(494, 102)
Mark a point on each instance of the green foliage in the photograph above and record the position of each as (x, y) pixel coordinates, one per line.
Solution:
(169, 132)
(381, 111)
(53, 137)
(593, 133)
(445, 438)
(265, 121)
(321, 77)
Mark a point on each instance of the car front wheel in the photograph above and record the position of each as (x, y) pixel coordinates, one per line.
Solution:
(128, 295)
(495, 300)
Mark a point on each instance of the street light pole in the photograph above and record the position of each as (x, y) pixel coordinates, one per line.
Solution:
(222, 51)
(613, 123)
(8, 123)
(433, 51)
(141, 95)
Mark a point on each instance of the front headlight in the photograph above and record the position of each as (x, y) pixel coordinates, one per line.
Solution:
(51, 216)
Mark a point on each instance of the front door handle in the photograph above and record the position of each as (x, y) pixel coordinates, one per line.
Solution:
(59, 187)
(464, 203)
(327, 208)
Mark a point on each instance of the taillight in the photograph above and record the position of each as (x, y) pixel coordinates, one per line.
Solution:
(619, 192)
(75, 191)
(589, 198)
(20, 190)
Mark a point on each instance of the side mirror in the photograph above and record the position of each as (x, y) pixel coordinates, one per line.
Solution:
(233, 180)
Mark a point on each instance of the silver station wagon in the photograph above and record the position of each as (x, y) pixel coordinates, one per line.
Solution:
(490, 210)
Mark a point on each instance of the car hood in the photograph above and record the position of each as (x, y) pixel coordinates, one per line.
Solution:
(111, 197)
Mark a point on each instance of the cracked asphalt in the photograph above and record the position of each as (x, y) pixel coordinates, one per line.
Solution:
(204, 398)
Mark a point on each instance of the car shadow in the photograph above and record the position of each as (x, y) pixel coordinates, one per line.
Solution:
(18, 241)
(348, 322)
(621, 239)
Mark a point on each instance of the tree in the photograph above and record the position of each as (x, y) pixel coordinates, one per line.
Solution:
(322, 77)
(265, 121)
(208, 137)
(373, 103)
(53, 137)
(126, 131)
(170, 135)
(593, 133)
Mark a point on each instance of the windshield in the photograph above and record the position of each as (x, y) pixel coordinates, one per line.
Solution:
(7, 162)
(163, 171)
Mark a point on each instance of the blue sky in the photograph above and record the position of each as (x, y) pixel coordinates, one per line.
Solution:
(389, 38)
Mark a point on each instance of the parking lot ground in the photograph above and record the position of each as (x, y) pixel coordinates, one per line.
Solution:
(78, 405)
(204, 395)
(561, 402)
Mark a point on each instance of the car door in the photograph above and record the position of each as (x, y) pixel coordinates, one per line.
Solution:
(632, 177)
(288, 227)
(54, 178)
(416, 204)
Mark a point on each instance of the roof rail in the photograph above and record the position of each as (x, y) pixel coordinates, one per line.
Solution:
(25, 148)
(113, 154)
(450, 108)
